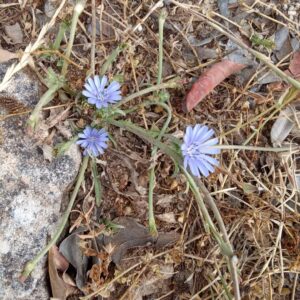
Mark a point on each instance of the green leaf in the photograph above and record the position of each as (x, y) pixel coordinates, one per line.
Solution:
(97, 183)
(54, 80)
(112, 57)
(61, 148)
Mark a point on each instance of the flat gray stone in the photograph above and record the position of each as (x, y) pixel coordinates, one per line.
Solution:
(31, 193)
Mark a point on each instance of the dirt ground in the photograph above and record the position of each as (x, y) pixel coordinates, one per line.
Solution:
(256, 192)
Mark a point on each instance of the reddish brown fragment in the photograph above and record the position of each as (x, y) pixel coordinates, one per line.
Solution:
(294, 66)
(209, 80)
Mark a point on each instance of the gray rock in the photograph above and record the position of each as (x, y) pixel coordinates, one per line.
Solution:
(31, 193)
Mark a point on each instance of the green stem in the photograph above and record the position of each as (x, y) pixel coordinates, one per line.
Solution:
(143, 134)
(54, 87)
(45, 99)
(62, 29)
(232, 259)
(78, 9)
(111, 58)
(29, 267)
(152, 224)
(97, 183)
(172, 84)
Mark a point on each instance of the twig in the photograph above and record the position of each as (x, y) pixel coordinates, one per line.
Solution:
(254, 148)
(116, 278)
(161, 22)
(172, 84)
(29, 267)
(93, 42)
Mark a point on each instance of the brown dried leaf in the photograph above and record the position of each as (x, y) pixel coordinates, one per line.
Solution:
(58, 264)
(131, 235)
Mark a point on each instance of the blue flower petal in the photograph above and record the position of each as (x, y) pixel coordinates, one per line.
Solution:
(194, 168)
(93, 141)
(92, 84)
(89, 88)
(206, 136)
(209, 150)
(92, 100)
(98, 83)
(104, 81)
(88, 94)
(113, 87)
(197, 148)
(209, 159)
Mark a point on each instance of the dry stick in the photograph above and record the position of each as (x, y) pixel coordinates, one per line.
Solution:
(172, 84)
(236, 40)
(115, 279)
(93, 46)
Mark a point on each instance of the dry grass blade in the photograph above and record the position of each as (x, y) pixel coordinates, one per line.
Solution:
(13, 69)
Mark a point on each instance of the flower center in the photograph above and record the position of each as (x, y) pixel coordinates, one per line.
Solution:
(102, 95)
(92, 139)
(192, 150)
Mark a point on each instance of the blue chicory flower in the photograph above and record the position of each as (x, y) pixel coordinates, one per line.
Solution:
(100, 95)
(196, 150)
(93, 141)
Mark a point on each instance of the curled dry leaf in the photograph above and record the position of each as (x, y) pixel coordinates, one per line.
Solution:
(294, 66)
(168, 217)
(282, 126)
(131, 235)
(70, 248)
(287, 122)
(209, 80)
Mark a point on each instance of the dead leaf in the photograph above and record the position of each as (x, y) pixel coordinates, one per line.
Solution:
(282, 43)
(293, 70)
(209, 80)
(282, 126)
(131, 235)
(153, 282)
(6, 55)
(167, 217)
(47, 152)
(57, 264)
(294, 67)
(14, 32)
(71, 250)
